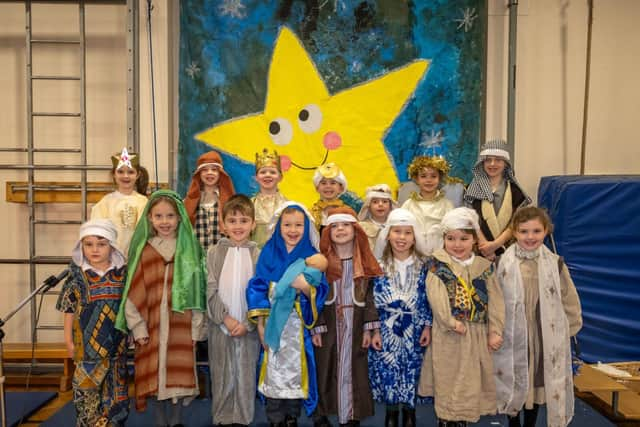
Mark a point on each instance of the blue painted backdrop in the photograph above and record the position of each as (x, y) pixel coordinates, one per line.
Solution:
(226, 47)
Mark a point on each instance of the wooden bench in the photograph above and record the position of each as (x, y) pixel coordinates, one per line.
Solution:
(44, 352)
(623, 401)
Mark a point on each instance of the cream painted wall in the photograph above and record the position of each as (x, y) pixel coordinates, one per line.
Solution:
(106, 64)
(550, 85)
(550, 91)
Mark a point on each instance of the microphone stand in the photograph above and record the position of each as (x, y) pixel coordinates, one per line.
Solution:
(49, 283)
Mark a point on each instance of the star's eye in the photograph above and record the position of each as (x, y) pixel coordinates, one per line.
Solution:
(280, 131)
(310, 118)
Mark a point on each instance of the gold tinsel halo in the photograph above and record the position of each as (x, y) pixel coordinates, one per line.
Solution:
(438, 163)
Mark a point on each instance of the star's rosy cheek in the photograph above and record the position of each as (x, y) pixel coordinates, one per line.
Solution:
(285, 163)
(332, 140)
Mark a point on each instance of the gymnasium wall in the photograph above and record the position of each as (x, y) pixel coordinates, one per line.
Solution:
(551, 59)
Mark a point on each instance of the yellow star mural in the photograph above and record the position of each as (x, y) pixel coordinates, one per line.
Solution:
(308, 126)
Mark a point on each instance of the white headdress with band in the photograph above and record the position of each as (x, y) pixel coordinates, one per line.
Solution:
(399, 217)
(378, 191)
(455, 219)
(102, 228)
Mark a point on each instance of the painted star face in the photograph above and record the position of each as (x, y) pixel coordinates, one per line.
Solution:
(309, 127)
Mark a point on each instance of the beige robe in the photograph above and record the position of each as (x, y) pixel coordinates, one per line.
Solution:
(571, 303)
(124, 211)
(232, 360)
(458, 369)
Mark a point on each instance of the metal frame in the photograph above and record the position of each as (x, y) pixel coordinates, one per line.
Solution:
(33, 259)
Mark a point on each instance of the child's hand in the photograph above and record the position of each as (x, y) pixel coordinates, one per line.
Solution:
(425, 336)
(460, 328)
(366, 339)
(316, 340)
(495, 341)
(239, 331)
(376, 340)
(488, 248)
(142, 341)
(230, 323)
(261, 333)
(70, 348)
(301, 284)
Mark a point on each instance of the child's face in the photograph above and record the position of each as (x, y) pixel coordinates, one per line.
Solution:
(329, 189)
(428, 180)
(342, 233)
(238, 226)
(401, 239)
(459, 243)
(164, 219)
(494, 166)
(209, 176)
(125, 178)
(530, 234)
(292, 228)
(380, 209)
(97, 251)
(268, 178)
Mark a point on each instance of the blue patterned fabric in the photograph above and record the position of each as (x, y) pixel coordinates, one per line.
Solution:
(404, 311)
(459, 298)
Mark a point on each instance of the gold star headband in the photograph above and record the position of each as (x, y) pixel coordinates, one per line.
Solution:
(125, 159)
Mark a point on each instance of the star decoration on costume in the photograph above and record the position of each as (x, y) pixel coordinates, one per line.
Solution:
(468, 16)
(309, 127)
(432, 141)
(192, 70)
(233, 8)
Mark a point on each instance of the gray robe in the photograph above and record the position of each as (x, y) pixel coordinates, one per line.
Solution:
(232, 360)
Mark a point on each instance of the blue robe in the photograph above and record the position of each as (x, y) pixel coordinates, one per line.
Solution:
(394, 372)
(272, 264)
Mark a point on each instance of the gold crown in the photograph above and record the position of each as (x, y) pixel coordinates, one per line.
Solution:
(438, 163)
(267, 159)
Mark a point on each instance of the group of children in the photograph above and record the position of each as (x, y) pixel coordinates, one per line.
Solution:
(321, 308)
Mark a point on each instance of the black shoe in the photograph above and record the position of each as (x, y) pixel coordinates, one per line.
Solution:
(321, 422)
(290, 421)
(391, 418)
(408, 417)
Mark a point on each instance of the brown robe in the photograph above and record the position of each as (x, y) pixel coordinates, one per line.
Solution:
(146, 294)
(327, 355)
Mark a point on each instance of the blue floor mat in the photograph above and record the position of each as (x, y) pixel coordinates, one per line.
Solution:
(199, 415)
(21, 405)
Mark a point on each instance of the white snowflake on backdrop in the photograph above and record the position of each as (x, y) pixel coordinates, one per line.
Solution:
(192, 69)
(468, 16)
(233, 8)
(431, 141)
